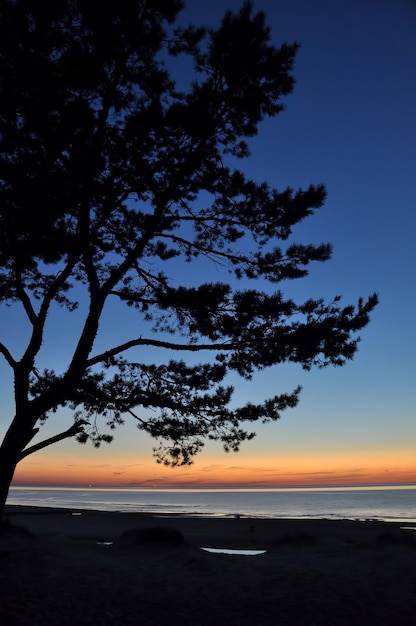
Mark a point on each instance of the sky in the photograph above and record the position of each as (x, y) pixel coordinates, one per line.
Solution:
(350, 124)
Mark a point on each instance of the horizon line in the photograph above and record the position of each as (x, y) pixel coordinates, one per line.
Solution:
(230, 487)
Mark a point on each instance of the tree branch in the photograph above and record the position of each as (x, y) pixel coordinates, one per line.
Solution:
(71, 432)
(136, 417)
(159, 344)
(24, 298)
(210, 253)
(7, 355)
(38, 325)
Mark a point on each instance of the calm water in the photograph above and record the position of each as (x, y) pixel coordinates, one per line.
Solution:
(392, 503)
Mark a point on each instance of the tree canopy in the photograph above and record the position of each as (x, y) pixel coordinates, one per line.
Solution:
(120, 136)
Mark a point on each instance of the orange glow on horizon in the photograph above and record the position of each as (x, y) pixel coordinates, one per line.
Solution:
(216, 472)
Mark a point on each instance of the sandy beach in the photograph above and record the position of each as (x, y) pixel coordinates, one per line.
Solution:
(90, 567)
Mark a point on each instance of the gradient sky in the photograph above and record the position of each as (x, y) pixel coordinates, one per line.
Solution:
(351, 124)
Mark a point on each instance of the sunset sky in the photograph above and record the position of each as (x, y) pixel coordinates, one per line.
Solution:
(350, 124)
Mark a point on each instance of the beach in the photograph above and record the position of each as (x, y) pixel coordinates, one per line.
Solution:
(91, 567)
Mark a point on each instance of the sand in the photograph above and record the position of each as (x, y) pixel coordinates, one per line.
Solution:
(72, 567)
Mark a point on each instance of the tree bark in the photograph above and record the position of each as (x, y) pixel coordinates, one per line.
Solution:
(15, 441)
(12, 451)
(8, 464)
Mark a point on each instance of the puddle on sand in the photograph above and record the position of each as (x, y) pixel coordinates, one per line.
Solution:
(235, 552)
(212, 550)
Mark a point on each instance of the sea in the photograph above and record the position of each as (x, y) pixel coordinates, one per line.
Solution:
(376, 502)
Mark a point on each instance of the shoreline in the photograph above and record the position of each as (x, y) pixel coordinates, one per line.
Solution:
(199, 529)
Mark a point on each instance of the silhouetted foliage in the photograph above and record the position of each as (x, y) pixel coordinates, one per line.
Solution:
(110, 174)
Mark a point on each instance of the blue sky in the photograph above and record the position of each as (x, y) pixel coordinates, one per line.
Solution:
(350, 124)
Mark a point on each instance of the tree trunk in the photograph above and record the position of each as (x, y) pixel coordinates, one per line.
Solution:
(17, 437)
(8, 464)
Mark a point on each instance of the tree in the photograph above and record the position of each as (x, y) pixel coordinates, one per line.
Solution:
(112, 172)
